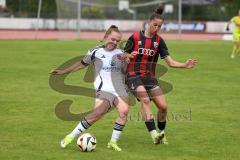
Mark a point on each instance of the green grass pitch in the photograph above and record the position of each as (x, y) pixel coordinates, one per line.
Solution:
(204, 105)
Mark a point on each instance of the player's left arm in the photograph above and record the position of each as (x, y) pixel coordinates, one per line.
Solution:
(190, 63)
(163, 51)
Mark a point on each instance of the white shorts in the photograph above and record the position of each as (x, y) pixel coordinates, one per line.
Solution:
(110, 97)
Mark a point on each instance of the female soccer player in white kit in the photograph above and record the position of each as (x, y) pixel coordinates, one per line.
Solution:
(109, 86)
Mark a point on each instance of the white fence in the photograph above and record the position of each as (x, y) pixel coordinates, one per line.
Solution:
(100, 25)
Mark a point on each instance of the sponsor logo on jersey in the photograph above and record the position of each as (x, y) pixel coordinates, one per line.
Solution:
(145, 51)
(113, 66)
(113, 62)
(111, 69)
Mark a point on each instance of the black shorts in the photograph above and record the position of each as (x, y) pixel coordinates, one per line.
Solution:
(134, 82)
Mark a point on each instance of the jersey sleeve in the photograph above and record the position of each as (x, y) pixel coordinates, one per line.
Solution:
(129, 47)
(162, 49)
(88, 57)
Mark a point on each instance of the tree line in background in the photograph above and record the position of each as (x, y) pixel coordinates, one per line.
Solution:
(222, 10)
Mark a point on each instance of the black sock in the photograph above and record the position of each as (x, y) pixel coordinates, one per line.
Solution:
(161, 125)
(150, 125)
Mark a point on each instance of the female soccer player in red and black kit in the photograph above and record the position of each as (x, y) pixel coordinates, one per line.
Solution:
(145, 47)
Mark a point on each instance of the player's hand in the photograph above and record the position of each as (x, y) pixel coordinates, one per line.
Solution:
(190, 63)
(126, 57)
(57, 72)
(227, 28)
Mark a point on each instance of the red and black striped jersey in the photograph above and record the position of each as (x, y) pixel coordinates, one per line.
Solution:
(146, 52)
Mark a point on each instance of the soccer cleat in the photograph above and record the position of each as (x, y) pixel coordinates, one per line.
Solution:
(66, 141)
(157, 137)
(164, 141)
(114, 146)
(232, 56)
(164, 138)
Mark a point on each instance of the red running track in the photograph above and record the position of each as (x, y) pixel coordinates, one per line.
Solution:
(48, 34)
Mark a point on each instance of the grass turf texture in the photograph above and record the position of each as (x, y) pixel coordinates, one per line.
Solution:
(203, 106)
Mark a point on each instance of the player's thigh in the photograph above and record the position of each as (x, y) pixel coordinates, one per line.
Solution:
(236, 39)
(158, 97)
(122, 104)
(136, 86)
(141, 94)
(101, 107)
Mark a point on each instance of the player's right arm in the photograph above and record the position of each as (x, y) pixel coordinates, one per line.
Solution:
(76, 66)
(73, 68)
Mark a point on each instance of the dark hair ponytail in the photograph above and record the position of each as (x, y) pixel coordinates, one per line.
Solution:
(159, 10)
(157, 13)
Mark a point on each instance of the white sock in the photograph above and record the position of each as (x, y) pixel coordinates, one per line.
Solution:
(81, 127)
(117, 131)
(153, 133)
(116, 135)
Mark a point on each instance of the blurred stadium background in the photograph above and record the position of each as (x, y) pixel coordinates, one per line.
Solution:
(81, 19)
(203, 115)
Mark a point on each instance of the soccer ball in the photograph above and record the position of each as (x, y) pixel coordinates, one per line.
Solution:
(86, 142)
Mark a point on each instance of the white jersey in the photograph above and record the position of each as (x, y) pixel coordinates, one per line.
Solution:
(108, 74)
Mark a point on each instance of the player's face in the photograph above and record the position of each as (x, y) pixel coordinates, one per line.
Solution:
(112, 40)
(155, 25)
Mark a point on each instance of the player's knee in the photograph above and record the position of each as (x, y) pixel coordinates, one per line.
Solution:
(123, 116)
(124, 111)
(145, 100)
(162, 107)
